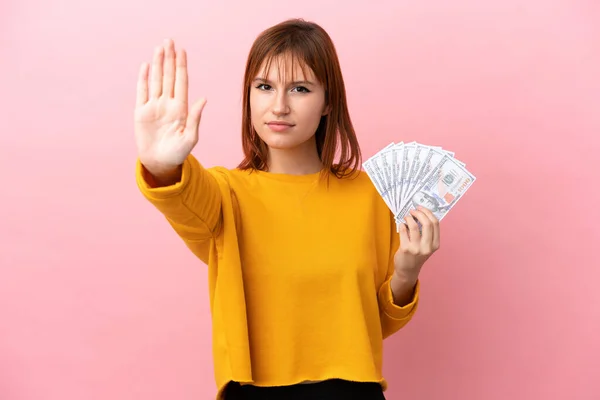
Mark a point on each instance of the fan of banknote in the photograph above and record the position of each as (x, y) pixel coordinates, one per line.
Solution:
(407, 175)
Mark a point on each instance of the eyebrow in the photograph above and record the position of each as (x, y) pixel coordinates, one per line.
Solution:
(258, 79)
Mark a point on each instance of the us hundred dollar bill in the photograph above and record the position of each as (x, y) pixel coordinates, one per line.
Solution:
(441, 189)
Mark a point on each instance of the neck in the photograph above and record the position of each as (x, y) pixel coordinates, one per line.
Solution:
(300, 160)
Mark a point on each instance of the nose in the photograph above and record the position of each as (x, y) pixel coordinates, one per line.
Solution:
(280, 104)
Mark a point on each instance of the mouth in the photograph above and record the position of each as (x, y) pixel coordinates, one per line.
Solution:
(279, 123)
(279, 126)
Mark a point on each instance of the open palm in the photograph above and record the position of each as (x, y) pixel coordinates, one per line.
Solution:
(166, 130)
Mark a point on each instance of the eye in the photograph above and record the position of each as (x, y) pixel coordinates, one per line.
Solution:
(302, 89)
(263, 86)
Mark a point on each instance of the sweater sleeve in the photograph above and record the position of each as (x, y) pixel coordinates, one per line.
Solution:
(192, 206)
(394, 317)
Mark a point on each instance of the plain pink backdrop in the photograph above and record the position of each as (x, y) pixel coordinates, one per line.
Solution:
(100, 300)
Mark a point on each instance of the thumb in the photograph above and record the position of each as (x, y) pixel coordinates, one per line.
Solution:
(193, 119)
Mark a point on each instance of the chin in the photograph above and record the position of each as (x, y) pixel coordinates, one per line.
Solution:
(282, 141)
(282, 144)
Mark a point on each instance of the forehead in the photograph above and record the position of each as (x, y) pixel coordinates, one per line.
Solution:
(285, 68)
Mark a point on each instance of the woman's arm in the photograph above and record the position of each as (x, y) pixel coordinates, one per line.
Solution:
(398, 297)
(395, 316)
(191, 202)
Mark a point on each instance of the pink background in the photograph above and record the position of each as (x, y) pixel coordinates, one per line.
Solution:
(100, 300)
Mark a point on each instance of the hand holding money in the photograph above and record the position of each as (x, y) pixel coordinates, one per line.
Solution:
(419, 184)
(418, 242)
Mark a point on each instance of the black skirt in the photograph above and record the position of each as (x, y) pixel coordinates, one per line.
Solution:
(333, 389)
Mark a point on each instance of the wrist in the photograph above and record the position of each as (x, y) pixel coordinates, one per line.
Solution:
(407, 278)
(159, 176)
(403, 286)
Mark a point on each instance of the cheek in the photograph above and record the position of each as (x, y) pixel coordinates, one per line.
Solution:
(255, 108)
(252, 101)
(312, 113)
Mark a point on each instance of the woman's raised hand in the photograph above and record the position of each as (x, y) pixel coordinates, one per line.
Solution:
(166, 129)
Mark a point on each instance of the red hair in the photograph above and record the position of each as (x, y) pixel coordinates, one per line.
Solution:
(312, 46)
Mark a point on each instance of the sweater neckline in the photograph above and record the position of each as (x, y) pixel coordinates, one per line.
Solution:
(288, 177)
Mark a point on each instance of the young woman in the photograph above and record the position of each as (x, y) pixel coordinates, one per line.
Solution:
(307, 273)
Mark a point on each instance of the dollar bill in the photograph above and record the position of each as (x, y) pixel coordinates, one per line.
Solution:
(441, 189)
(431, 157)
(374, 169)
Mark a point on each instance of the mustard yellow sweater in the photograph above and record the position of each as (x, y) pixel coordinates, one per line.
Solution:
(299, 272)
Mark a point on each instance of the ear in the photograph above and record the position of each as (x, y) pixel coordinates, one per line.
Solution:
(326, 110)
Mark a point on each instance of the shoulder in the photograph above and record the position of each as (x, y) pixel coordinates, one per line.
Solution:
(359, 191)
(234, 178)
(358, 180)
(359, 177)
(227, 173)
(358, 188)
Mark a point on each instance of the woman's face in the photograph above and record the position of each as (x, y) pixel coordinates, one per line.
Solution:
(286, 107)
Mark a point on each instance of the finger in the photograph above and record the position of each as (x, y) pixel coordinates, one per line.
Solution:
(169, 69)
(181, 77)
(426, 228)
(413, 228)
(435, 225)
(193, 120)
(157, 72)
(142, 85)
(404, 240)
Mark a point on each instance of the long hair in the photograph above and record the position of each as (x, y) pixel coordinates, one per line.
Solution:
(309, 44)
